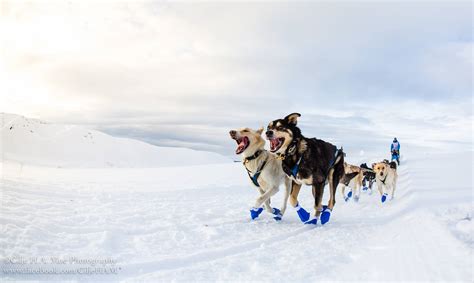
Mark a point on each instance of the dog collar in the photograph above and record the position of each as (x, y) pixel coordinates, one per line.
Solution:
(280, 156)
(384, 179)
(252, 157)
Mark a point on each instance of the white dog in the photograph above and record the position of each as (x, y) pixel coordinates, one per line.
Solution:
(386, 177)
(264, 170)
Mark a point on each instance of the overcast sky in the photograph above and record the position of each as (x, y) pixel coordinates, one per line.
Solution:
(183, 74)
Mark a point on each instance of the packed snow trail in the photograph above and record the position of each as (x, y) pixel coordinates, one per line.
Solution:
(192, 223)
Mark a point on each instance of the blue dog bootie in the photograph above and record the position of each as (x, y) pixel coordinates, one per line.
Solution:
(365, 188)
(384, 198)
(302, 213)
(325, 215)
(277, 214)
(313, 221)
(255, 212)
(349, 195)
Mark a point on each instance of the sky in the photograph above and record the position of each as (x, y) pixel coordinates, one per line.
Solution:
(185, 73)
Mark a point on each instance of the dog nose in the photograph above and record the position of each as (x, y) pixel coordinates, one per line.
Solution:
(232, 133)
(269, 133)
(381, 173)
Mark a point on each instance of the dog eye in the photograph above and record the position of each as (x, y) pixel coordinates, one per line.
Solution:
(245, 131)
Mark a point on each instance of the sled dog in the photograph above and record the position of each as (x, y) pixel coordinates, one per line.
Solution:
(386, 177)
(308, 161)
(353, 177)
(264, 170)
(369, 178)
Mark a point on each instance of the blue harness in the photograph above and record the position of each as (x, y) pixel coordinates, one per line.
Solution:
(296, 168)
(254, 177)
(335, 157)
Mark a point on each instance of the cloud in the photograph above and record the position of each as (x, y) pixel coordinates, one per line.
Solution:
(185, 73)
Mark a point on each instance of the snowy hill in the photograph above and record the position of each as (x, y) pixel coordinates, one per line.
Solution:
(35, 142)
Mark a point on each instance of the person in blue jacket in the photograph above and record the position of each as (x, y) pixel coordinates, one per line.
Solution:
(395, 150)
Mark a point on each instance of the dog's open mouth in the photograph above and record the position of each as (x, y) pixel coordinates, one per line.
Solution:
(276, 143)
(242, 144)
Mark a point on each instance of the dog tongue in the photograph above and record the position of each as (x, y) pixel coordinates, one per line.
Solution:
(274, 143)
(240, 147)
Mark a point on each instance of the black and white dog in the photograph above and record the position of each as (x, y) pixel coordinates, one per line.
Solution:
(369, 178)
(308, 161)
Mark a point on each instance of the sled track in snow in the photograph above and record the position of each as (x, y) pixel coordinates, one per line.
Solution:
(216, 254)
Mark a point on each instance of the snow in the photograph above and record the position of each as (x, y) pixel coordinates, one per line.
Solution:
(191, 223)
(32, 141)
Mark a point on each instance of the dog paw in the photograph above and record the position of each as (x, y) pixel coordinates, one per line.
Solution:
(365, 188)
(302, 213)
(325, 216)
(384, 198)
(255, 212)
(313, 221)
(277, 214)
(348, 197)
(356, 198)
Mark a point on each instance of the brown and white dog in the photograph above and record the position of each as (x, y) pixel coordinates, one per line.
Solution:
(386, 177)
(353, 177)
(264, 170)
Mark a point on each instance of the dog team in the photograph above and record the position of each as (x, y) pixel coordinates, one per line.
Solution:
(296, 160)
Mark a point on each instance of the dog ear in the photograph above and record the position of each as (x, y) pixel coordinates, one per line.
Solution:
(260, 131)
(373, 165)
(293, 118)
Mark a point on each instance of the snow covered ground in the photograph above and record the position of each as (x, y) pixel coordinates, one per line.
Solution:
(191, 223)
(32, 141)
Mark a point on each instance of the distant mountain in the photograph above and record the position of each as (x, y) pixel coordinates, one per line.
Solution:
(34, 142)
